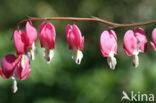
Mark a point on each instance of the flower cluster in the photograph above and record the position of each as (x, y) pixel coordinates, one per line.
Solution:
(18, 66)
(135, 42)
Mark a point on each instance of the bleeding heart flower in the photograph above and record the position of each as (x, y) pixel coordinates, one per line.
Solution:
(153, 42)
(75, 41)
(19, 42)
(108, 47)
(8, 66)
(134, 43)
(15, 67)
(30, 36)
(47, 40)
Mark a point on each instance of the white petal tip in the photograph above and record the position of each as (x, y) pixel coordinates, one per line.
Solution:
(112, 68)
(48, 55)
(135, 61)
(31, 52)
(33, 59)
(14, 89)
(48, 61)
(77, 56)
(14, 86)
(112, 62)
(78, 61)
(135, 65)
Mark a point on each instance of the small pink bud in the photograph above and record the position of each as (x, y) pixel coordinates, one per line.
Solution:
(47, 40)
(75, 41)
(134, 43)
(153, 37)
(19, 42)
(108, 47)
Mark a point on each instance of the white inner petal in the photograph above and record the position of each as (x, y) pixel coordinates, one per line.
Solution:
(31, 52)
(23, 61)
(111, 62)
(48, 54)
(136, 52)
(77, 56)
(14, 86)
(135, 60)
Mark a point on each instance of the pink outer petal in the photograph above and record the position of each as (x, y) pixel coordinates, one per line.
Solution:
(19, 42)
(153, 37)
(70, 37)
(79, 42)
(112, 32)
(115, 40)
(26, 75)
(141, 39)
(74, 38)
(82, 44)
(68, 29)
(130, 43)
(153, 46)
(47, 35)
(8, 65)
(108, 43)
(30, 34)
(21, 72)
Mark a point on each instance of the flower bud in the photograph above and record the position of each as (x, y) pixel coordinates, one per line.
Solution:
(108, 47)
(30, 36)
(135, 42)
(75, 41)
(47, 40)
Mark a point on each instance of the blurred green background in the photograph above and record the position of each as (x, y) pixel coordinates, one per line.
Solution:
(63, 81)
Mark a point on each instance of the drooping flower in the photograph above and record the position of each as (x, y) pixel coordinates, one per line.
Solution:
(47, 40)
(15, 67)
(8, 66)
(75, 41)
(153, 37)
(30, 36)
(108, 47)
(135, 41)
